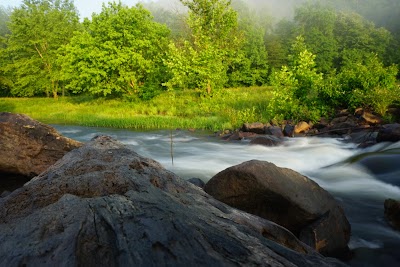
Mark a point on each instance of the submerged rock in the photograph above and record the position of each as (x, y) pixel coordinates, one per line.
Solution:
(29, 147)
(267, 140)
(392, 213)
(287, 198)
(104, 205)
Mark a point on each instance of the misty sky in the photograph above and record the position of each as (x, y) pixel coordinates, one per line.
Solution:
(85, 7)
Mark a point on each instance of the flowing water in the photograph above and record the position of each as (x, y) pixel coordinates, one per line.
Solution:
(360, 179)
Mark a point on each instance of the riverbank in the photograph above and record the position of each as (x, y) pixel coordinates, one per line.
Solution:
(228, 109)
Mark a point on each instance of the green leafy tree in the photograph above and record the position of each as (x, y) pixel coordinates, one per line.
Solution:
(38, 28)
(249, 65)
(317, 25)
(353, 32)
(4, 20)
(277, 42)
(297, 86)
(202, 61)
(119, 52)
(365, 82)
(4, 59)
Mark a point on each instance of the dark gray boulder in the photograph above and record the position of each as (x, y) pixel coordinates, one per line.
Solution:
(274, 130)
(267, 140)
(287, 198)
(104, 205)
(389, 133)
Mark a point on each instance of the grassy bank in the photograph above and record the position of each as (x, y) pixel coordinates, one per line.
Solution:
(227, 109)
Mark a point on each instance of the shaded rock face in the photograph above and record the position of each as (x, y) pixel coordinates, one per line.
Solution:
(268, 140)
(287, 198)
(389, 133)
(29, 147)
(256, 127)
(392, 213)
(104, 205)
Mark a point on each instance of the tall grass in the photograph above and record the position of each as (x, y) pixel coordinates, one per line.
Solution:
(226, 109)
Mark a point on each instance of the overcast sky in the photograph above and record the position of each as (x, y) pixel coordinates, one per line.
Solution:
(85, 7)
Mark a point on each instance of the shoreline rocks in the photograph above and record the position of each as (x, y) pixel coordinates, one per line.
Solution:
(363, 128)
(104, 205)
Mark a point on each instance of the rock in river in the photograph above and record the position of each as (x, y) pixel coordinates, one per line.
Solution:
(287, 198)
(104, 205)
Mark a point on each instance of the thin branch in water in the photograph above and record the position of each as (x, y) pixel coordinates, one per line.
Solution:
(172, 147)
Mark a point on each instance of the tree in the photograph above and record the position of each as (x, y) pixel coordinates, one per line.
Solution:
(317, 25)
(297, 86)
(119, 52)
(249, 65)
(4, 31)
(203, 60)
(353, 32)
(4, 20)
(366, 82)
(38, 29)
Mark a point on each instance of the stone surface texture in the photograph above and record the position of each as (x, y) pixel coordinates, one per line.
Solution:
(104, 205)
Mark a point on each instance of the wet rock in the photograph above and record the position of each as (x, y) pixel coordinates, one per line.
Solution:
(237, 136)
(392, 213)
(287, 198)
(256, 127)
(268, 140)
(197, 182)
(274, 130)
(301, 127)
(370, 118)
(343, 125)
(288, 130)
(28, 146)
(104, 205)
(389, 133)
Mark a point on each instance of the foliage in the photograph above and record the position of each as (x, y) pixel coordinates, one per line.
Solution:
(38, 29)
(317, 25)
(4, 31)
(249, 65)
(227, 109)
(365, 81)
(119, 52)
(202, 61)
(297, 86)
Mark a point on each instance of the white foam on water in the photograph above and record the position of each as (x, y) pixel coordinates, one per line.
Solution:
(362, 243)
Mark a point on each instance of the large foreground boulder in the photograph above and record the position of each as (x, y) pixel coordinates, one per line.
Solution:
(287, 198)
(29, 147)
(104, 205)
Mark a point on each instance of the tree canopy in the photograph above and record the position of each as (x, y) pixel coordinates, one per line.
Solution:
(119, 52)
(324, 55)
(37, 30)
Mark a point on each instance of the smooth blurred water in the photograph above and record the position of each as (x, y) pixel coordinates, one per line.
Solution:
(360, 179)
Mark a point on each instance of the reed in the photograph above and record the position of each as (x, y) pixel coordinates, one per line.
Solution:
(227, 109)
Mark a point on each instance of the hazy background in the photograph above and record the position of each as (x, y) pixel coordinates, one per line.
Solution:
(277, 8)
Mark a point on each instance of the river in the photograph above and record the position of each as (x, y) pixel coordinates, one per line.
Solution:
(359, 179)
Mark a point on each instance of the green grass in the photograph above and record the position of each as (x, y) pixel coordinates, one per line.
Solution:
(227, 109)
